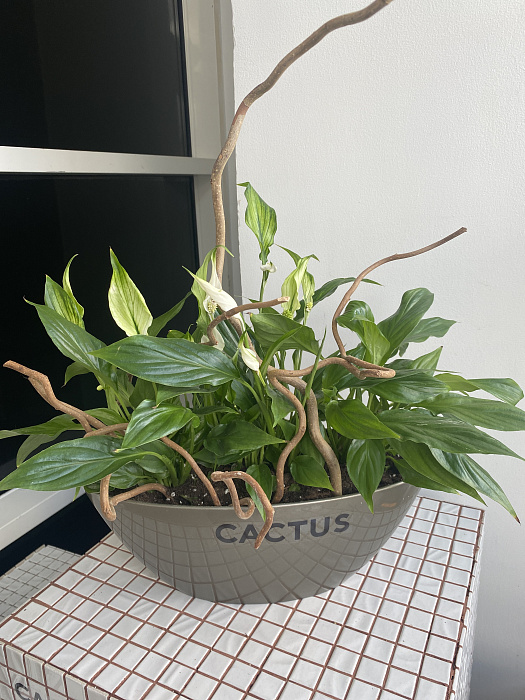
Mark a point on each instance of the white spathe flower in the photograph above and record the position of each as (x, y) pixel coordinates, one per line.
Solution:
(249, 357)
(268, 267)
(220, 340)
(216, 294)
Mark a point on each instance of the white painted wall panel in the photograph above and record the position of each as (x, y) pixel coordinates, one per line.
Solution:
(387, 136)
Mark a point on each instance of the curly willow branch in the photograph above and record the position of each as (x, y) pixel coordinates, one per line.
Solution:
(239, 309)
(228, 477)
(233, 135)
(107, 503)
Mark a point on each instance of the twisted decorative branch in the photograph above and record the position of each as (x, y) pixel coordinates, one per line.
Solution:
(233, 135)
(43, 387)
(107, 503)
(383, 261)
(228, 477)
(212, 340)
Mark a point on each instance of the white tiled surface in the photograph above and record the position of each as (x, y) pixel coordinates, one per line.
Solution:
(107, 630)
(28, 577)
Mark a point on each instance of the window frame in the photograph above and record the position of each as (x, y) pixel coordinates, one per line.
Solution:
(23, 510)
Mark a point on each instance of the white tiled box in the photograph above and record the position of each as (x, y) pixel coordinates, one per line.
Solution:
(400, 628)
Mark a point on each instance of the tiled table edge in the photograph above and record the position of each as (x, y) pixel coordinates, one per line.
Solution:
(31, 575)
(74, 686)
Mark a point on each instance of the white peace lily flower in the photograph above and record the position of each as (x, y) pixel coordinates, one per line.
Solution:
(249, 357)
(268, 267)
(220, 340)
(216, 294)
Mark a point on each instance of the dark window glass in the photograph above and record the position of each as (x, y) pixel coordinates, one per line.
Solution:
(95, 75)
(149, 223)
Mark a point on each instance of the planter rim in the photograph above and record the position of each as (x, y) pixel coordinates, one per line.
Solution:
(277, 506)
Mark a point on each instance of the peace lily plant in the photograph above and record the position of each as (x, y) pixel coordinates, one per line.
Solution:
(253, 396)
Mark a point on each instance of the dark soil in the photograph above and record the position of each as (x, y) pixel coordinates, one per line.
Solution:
(194, 493)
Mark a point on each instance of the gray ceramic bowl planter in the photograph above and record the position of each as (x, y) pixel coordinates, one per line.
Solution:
(312, 547)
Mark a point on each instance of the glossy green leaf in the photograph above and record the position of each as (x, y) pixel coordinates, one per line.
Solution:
(434, 327)
(30, 444)
(446, 434)
(411, 476)
(106, 415)
(127, 305)
(353, 419)
(74, 370)
(53, 428)
(270, 329)
(308, 472)
(473, 474)
(160, 322)
(150, 422)
(307, 448)
(170, 361)
(74, 342)
(502, 388)
(262, 220)
(365, 462)
(264, 477)
(68, 465)
(60, 301)
(359, 318)
(409, 388)
(428, 361)
(355, 311)
(141, 391)
(230, 441)
(128, 476)
(414, 305)
(421, 459)
(486, 413)
(167, 393)
(281, 407)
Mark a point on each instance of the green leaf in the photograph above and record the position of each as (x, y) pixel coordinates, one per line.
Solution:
(275, 347)
(446, 434)
(74, 370)
(270, 329)
(53, 428)
(30, 444)
(327, 290)
(281, 407)
(66, 284)
(264, 477)
(414, 305)
(106, 415)
(355, 311)
(410, 476)
(150, 422)
(307, 448)
(365, 462)
(68, 465)
(262, 220)
(170, 361)
(141, 391)
(126, 303)
(428, 361)
(128, 476)
(158, 323)
(434, 327)
(353, 419)
(308, 472)
(231, 441)
(473, 474)
(74, 342)
(166, 393)
(421, 459)
(409, 388)
(486, 413)
(60, 301)
(504, 389)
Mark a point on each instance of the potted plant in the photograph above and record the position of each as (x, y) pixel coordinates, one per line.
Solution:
(322, 455)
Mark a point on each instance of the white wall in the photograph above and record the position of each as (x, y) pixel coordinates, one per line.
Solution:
(385, 137)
